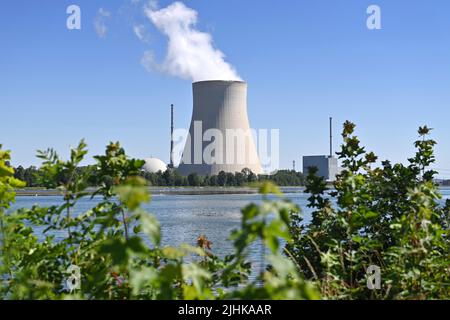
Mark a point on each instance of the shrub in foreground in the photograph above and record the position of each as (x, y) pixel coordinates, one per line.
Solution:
(113, 250)
(386, 216)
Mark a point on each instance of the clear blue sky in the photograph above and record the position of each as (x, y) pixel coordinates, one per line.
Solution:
(304, 61)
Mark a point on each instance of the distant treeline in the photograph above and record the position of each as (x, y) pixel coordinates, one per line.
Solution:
(171, 178)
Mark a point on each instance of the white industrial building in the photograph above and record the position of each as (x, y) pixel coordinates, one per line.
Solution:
(327, 166)
(153, 165)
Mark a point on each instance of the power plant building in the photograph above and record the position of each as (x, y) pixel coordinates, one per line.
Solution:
(153, 165)
(219, 138)
(327, 166)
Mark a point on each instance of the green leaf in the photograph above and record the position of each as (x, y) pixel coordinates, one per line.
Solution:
(150, 226)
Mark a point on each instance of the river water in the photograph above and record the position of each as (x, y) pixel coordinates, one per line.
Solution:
(184, 217)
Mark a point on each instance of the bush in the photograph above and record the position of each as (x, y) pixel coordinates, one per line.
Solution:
(113, 250)
(386, 216)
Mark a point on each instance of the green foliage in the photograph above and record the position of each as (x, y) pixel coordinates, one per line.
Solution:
(172, 178)
(7, 181)
(168, 178)
(269, 223)
(387, 216)
(117, 245)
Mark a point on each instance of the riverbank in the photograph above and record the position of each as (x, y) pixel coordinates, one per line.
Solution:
(167, 191)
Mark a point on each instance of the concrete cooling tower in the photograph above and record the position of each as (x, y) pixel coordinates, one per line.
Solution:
(219, 135)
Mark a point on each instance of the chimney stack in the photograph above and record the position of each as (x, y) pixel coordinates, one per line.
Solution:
(171, 137)
(331, 137)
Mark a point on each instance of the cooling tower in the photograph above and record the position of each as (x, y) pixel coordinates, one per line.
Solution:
(220, 138)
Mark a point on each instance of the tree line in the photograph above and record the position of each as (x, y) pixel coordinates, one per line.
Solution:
(171, 178)
(224, 179)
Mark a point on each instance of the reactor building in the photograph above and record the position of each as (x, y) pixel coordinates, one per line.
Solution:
(327, 166)
(153, 165)
(219, 137)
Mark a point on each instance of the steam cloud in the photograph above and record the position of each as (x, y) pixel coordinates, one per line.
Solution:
(190, 52)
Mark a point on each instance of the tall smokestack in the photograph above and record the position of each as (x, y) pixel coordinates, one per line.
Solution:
(331, 137)
(171, 136)
(219, 107)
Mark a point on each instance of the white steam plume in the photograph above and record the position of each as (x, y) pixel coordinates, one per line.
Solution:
(190, 52)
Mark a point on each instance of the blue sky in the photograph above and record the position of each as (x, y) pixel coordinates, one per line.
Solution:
(304, 61)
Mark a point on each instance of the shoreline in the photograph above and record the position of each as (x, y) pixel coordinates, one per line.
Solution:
(168, 191)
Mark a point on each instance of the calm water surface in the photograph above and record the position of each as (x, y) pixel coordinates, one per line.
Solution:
(184, 217)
